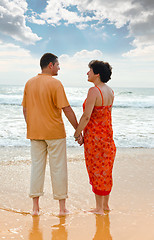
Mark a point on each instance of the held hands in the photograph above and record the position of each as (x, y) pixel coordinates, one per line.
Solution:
(79, 139)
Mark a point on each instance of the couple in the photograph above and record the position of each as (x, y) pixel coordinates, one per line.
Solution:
(43, 101)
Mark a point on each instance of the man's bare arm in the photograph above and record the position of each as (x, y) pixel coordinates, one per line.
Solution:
(25, 113)
(69, 113)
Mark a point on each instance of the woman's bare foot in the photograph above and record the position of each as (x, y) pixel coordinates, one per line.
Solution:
(106, 208)
(106, 203)
(97, 211)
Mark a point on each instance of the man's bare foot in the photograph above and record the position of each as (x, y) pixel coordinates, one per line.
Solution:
(63, 213)
(35, 206)
(97, 211)
(35, 213)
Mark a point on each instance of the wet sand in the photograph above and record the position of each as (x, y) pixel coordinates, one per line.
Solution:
(131, 201)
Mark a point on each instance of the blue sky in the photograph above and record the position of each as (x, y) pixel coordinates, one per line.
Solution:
(120, 32)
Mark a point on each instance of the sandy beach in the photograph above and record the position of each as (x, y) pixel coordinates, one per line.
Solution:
(132, 199)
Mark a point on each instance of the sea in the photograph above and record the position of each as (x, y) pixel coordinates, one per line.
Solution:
(132, 116)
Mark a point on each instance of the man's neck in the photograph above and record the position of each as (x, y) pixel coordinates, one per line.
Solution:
(46, 71)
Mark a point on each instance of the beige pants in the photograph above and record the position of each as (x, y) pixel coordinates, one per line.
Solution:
(58, 167)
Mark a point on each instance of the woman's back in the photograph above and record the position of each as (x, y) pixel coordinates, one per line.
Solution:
(105, 96)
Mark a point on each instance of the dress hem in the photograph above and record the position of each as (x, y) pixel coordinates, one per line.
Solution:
(100, 192)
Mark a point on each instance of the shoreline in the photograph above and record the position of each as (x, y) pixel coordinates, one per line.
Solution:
(131, 200)
(22, 153)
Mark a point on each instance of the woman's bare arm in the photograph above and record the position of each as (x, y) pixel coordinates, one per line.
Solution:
(90, 103)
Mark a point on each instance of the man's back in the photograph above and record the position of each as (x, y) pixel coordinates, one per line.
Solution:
(44, 97)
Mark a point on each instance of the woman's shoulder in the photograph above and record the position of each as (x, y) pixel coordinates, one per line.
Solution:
(110, 90)
(92, 93)
(92, 90)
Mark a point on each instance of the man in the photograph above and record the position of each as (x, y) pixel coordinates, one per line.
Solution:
(43, 101)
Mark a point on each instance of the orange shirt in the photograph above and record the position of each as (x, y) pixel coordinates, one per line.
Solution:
(44, 97)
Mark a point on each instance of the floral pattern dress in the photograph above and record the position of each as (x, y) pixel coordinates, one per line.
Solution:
(100, 149)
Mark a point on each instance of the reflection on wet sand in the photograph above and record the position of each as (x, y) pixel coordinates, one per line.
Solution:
(102, 228)
(35, 232)
(59, 231)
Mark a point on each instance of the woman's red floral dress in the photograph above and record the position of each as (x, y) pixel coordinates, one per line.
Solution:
(100, 149)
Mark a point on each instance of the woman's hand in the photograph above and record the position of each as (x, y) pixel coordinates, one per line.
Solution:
(79, 139)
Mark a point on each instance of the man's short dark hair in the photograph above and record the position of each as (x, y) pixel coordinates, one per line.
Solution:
(102, 68)
(46, 59)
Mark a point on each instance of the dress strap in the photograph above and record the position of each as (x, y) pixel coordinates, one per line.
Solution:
(100, 93)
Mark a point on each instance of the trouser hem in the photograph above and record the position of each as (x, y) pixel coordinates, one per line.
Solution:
(60, 197)
(36, 195)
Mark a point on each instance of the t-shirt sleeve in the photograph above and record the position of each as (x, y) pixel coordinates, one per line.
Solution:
(60, 99)
(24, 98)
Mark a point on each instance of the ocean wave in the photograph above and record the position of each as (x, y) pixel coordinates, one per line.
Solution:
(132, 107)
(8, 209)
(123, 98)
(125, 93)
(77, 105)
(15, 100)
(10, 104)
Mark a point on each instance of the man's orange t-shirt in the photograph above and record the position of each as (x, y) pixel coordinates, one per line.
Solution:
(44, 97)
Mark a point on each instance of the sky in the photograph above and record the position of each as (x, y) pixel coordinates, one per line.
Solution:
(78, 31)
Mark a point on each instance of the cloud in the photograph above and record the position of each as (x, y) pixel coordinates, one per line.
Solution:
(36, 20)
(11, 51)
(83, 57)
(147, 4)
(137, 15)
(84, 11)
(67, 12)
(13, 21)
(126, 72)
(17, 65)
(74, 68)
(141, 53)
(57, 11)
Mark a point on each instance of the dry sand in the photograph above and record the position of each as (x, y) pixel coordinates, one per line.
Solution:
(131, 201)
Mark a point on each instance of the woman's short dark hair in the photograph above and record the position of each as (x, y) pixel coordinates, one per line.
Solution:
(46, 59)
(102, 68)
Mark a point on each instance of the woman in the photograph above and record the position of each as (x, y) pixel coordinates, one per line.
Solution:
(96, 122)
